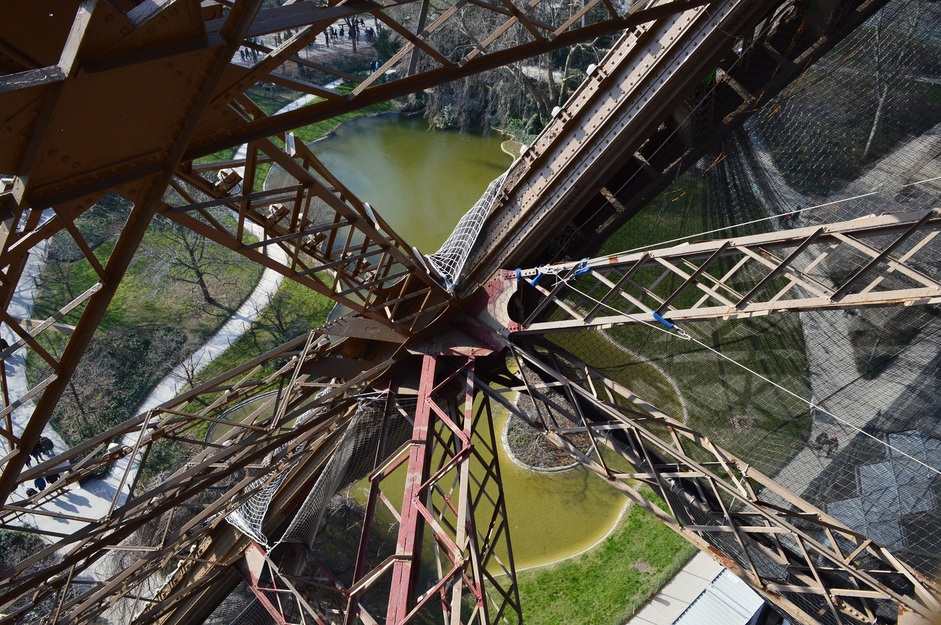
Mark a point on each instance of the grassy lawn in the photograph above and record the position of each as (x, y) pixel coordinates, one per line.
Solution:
(676, 212)
(293, 310)
(609, 583)
(155, 319)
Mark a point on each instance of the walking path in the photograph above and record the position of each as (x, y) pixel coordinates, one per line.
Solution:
(96, 498)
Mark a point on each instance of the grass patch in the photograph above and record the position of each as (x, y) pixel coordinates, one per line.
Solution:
(610, 582)
(293, 310)
(156, 318)
(679, 213)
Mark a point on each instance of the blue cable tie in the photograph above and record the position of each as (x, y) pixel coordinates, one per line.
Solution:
(536, 279)
(519, 274)
(582, 267)
(657, 316)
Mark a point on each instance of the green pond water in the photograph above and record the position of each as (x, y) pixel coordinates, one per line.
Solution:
(422, 182)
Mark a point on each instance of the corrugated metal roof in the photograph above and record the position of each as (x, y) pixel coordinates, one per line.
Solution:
(726, 601)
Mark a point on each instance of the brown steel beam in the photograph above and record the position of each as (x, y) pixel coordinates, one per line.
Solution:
(773, 272)
(147, 197)
(430, 78)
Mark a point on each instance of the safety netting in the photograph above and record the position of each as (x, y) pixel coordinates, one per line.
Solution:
(838, 406)
(349, 459)
(450, 259)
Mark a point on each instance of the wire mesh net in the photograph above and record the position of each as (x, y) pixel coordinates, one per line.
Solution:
(449, 260)
(351, 458)
(835, 405)
(250, 516)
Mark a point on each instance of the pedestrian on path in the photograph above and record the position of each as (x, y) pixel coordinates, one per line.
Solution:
(39, 483)
(46, 446)
(36, 453)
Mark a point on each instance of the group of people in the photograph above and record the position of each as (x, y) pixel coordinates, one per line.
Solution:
(357, 30)
(43, 447)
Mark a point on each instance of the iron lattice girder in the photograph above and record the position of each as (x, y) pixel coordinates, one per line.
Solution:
(492, 48)
(310, 228)
(85, 36)
(871, 261)
(76, 193)
(453, 507)
(75, 166)
(627, 131)
(453, 492)
(261, 434)
(718, 502)
(618, 107)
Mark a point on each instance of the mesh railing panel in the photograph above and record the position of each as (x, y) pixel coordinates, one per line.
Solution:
(449, 260)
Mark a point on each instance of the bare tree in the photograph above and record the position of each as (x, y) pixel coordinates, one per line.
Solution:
(187, 370)
(280, 319)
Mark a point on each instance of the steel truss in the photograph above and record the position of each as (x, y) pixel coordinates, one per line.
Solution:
(262, 442)
(804, 561)
(313, 230)
(203, 105)
(569, 191)
(876, 261)
(304, 395)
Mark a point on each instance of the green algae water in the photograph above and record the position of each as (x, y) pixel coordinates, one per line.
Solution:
(420, 181)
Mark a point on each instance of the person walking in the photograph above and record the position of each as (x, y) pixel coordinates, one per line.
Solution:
(46, 446)
(36, 453)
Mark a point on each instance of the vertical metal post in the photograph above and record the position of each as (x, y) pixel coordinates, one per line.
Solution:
(407, 550)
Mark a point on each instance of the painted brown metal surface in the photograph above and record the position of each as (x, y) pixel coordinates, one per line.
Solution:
(119, 97)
